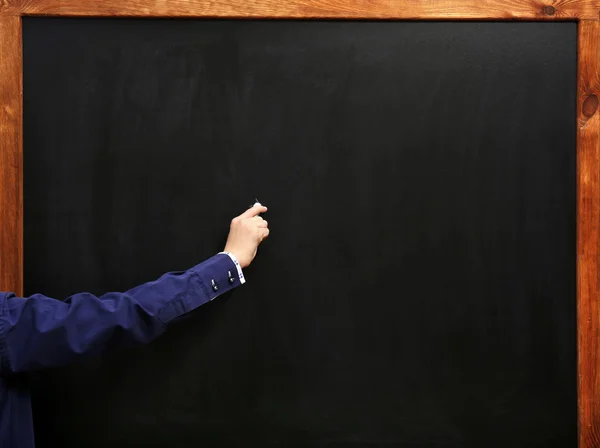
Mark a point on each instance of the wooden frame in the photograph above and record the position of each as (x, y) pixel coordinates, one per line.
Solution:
(585, 12)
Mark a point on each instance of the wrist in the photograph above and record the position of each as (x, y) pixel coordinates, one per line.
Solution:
(239, 257)
(235, 261)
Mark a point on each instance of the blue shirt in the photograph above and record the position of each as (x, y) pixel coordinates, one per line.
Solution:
(40, 332)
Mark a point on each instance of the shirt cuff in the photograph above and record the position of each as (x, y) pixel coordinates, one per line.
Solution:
(212, 277)
(238, 267)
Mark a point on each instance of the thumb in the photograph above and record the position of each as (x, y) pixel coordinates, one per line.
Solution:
(253, 211)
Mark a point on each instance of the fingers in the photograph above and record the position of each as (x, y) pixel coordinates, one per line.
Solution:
(260, 222)
(253, 211)
(263, 233)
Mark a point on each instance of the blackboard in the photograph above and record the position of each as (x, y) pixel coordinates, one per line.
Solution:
(418, 288)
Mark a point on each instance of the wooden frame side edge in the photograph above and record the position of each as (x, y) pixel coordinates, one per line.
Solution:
(337, 9)
(11, 155)
(588, 233)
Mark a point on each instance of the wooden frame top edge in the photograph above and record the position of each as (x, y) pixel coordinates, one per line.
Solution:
(315, 9)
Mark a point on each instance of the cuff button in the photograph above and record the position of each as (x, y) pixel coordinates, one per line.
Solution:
(231, 279)
(215, 286)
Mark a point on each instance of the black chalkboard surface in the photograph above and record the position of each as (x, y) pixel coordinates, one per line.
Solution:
(418, 289)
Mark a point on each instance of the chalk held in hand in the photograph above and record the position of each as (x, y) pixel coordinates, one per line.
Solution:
(256, 203)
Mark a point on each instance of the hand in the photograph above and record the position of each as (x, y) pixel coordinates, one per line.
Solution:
(247, 231)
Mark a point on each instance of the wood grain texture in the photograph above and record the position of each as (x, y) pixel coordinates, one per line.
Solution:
(588, 234)
(11, 156)
(354, 9)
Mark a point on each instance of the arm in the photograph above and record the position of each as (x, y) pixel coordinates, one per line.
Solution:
(39, 332)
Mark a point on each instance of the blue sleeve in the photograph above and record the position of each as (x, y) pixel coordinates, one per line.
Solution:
(39, 332)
